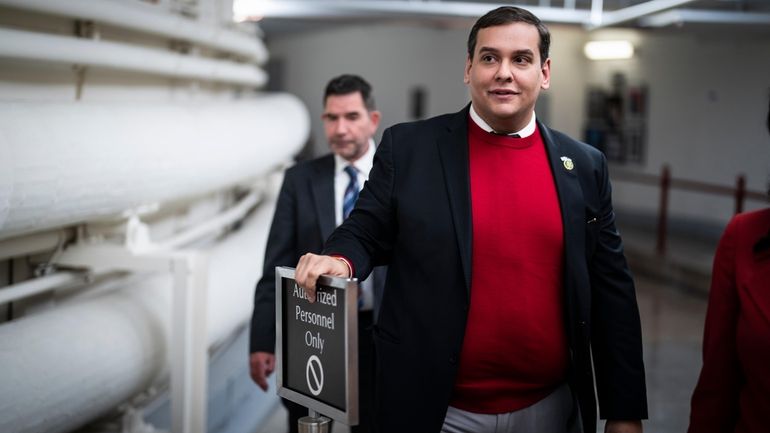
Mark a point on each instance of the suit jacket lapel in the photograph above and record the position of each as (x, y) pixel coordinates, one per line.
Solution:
(572, 208)
(322, 186)
(453, 153)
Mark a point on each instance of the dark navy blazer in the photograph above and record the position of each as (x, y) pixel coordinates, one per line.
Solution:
(414, 215)
(303, 219)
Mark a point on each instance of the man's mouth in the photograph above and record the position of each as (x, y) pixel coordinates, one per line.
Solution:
(503, 92)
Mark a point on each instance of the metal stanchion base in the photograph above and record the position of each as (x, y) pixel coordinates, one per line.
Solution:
(310, 424)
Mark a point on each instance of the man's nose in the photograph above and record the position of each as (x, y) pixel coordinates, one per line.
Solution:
(341, 127)
(504, 72)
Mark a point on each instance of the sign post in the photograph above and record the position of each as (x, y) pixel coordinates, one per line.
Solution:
(317, 349)
(313, 423)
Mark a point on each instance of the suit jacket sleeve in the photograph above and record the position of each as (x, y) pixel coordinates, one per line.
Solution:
(366, 237)
(715, 400)
(615, 330)
(280, 251)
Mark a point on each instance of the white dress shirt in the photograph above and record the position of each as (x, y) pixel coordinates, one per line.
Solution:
(363, 166)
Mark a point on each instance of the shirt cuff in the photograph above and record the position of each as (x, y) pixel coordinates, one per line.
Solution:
(346, 262)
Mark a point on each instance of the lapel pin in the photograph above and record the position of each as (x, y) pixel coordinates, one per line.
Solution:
(567, 163)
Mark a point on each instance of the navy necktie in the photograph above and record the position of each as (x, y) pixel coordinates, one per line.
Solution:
(351, 192)
(348, 202)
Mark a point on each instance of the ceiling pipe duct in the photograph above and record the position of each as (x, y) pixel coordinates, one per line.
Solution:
(67, 163)
(681, 16)
(394, 9)
(631, 13)
(147, 18)
(597, 11)
(593, 17)
(25, 45)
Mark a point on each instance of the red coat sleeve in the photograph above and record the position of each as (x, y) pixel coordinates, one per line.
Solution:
(715, 400)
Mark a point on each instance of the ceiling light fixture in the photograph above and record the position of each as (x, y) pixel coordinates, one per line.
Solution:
(608, 50)
(249, 10)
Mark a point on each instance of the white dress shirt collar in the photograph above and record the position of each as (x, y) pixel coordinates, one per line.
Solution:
(525, 132)
(363, 164)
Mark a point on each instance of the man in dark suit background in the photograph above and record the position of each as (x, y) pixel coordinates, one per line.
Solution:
(507, 286)
(315, 198)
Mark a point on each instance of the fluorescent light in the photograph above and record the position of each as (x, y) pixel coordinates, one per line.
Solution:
(249, 10)
(608, 50)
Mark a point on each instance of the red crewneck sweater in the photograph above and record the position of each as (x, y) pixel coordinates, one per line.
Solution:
(515, 347)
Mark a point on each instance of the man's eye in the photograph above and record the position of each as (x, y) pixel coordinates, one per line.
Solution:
(352, 116)
(487, 59)
(521, 60)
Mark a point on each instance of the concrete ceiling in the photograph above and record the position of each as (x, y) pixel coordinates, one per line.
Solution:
(281, 16)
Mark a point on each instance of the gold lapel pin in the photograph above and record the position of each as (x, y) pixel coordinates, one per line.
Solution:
(567, 163)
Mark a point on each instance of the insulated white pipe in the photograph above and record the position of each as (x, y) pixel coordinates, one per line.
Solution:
(67, 163)
(20, 44)
(148, 18)
(39, 285)
(219, 222)
(29, 244)
(71, 364)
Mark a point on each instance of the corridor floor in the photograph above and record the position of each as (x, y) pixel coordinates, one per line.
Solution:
(672, 331)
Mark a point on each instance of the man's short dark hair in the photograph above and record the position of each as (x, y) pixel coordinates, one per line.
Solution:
(507, 15)
(347, 84)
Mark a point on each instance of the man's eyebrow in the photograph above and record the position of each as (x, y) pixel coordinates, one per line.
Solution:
(492, 50)
(346, 113)
(488, 50)
(526, 51)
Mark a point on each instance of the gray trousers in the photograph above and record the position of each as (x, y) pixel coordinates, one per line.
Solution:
(556, 413)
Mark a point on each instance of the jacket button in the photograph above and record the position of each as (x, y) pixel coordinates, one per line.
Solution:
(453, 359)
(582, 323)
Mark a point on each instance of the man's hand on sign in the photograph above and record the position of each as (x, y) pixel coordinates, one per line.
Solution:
(312, 266)
(615, 426)
(261, 366)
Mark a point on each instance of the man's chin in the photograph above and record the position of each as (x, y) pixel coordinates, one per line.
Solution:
(344, 152)
(340, 149)
(505, 111)
(503, 116)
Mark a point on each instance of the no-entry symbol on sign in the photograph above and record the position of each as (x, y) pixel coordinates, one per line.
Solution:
(314, 372)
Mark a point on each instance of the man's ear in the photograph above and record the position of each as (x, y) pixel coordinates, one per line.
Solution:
(374, 117)
(545, 69)
(467, 75)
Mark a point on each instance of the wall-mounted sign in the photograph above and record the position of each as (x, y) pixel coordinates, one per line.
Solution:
(317, 345)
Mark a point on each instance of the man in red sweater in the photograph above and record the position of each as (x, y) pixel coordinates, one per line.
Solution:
(507, 286)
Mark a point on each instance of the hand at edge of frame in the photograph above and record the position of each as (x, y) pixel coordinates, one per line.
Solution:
(623, 426)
